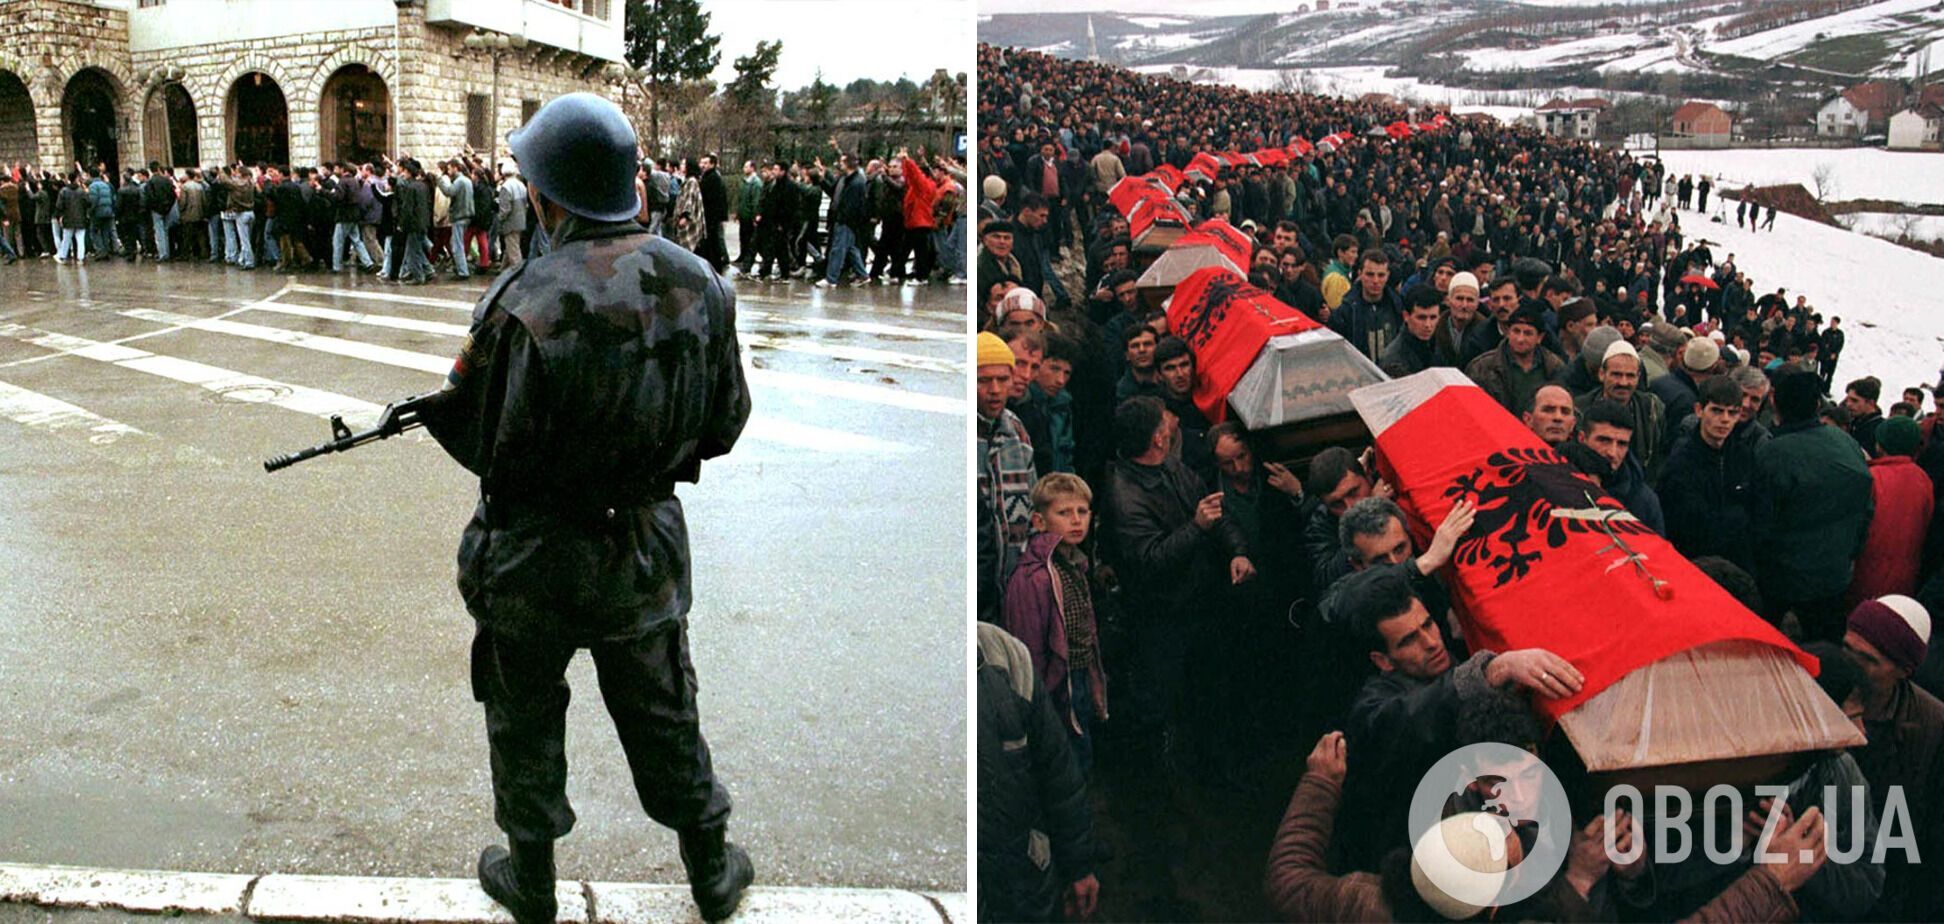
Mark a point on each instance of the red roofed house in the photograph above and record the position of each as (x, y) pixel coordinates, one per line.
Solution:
(1917, 128)
(1706, 123)
(1580, 118)
(1859, 109)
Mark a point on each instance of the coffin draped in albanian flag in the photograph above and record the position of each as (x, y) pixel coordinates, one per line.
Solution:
(1169, 174)
(1155, 223)
(1272, 157)
(1235, 245)
(1269, 361)
(1301, 146)
(1677, 671)
(1204, 166)
(1133, 189)
(1190, 253)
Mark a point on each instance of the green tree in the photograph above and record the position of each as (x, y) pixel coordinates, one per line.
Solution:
(670, 40)
(754, 72)
(817, 99)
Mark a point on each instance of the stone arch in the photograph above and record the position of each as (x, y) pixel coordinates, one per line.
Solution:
(252, 61)
(97, 119)
(36, 88)
(20, 112)
(171, 124)
(120, 76)
(349, 53)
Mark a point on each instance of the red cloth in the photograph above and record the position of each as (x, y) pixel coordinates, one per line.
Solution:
(920, 195)
(1568, 598)
(1894, 547)
(1233, 243)
(1205, 164)
(1148, 212)
(1170, 175)
(1226, 321)
(1397, 130)
(1301, 146)
(1270, 157)
(1134, 189)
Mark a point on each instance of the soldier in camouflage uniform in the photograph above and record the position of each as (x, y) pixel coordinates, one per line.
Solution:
(594, 379)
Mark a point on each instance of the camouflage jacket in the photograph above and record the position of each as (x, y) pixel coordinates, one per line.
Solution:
(593, 379)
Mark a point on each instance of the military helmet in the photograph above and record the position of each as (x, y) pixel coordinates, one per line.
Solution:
(579, 151)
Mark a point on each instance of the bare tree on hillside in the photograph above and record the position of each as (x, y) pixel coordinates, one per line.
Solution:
(1825, 179)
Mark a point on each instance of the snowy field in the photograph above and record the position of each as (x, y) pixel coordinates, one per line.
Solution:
(1558, 54)
(1774, 43)
(1860, 173)
(1888, 296)
(1891, 224)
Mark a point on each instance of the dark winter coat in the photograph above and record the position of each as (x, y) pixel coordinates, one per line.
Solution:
(1707, 495)
(1368, 325)
(1166, 562)
(578, 536)
(1035, 822)
(1497, 373)
(1813, 512)
(414, 204)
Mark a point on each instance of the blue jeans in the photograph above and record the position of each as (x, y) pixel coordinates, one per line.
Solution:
(270, 253)
(74, 242)
(458, 247)
(216, 239)
(107, 244)
(844, 252)
(339, 233)
(230, 253)
(245, 255)
(416, 266)
(160, 224)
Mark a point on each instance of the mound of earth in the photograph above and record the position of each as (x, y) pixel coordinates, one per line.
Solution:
(1787, 197)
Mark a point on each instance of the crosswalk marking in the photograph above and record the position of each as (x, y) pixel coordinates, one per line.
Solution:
(235, 386)
(862, 327)
(852, 391)
(33, 409)
(861, 354)
(354, 317)
(424, 301)
(337, 346)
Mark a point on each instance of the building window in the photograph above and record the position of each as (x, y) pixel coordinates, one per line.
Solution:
(527, 109)
(145, 4)
(479, 122)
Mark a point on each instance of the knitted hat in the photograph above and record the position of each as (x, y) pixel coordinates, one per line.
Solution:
(997, 226)
(1593, 349)
(1700, 355)
(1667, 338)
(1019, 299)
(993, 187)
(1897, 436)
(1463, 281)
(1896, 626)
(993, 351)
(1619, 348)
(1527, 314)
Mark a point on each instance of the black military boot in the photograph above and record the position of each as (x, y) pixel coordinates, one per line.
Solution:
(522, 880)
(718, 871)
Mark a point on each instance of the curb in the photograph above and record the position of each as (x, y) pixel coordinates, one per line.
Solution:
(371, 900)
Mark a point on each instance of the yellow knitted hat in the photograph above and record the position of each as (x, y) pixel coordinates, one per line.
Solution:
(993, 351)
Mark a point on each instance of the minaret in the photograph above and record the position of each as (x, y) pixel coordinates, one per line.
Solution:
(1093, 46)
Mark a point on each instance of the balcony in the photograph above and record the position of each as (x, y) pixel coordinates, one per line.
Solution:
(590, 27)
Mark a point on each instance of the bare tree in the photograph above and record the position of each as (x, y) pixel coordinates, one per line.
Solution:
(1825, 179)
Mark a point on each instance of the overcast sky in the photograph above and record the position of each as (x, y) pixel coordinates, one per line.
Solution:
(879, 39)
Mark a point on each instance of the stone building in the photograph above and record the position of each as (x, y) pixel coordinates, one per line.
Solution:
(200, 82)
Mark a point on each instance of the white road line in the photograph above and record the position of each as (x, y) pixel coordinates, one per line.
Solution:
(146, 334)
(337, 346)
(376, 296)
(33, 409)
(235, 386)
(866, 327)
(746, 296)
(785, 381)
(861, 354)
(354, 317)
(761, 427)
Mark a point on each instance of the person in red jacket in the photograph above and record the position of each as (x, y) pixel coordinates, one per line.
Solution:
(921, 193)
(1893, 550)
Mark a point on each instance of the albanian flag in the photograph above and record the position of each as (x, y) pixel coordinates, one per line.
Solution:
(1270, 157)
(1169, 174)
(1205, 164)
(1226, 322)
(1553, 562)
(1234, 244)
(1133, 189)
(1301, 146)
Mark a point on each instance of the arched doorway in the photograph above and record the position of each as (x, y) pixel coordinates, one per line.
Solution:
(354, 123)
(91, 121)
(18, 140)
(258, 120)
(169, 127)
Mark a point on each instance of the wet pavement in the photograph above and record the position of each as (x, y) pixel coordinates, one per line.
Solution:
(205, 667)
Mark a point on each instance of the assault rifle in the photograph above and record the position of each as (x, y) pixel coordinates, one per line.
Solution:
(398, 417)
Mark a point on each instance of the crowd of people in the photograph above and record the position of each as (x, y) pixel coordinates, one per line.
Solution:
(1236, 608)
(405, 220)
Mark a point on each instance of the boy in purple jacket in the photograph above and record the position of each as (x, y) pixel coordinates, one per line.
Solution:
(1049, 607)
